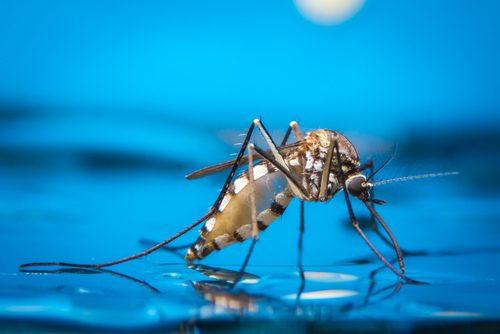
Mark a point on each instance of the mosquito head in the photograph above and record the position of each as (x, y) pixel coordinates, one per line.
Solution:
(358, 186)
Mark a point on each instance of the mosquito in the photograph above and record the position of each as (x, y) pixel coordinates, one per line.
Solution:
(317, 166)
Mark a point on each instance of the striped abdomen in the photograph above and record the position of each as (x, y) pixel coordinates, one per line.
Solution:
(233, 221)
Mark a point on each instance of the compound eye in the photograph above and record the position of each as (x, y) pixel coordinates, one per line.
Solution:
(356, 185)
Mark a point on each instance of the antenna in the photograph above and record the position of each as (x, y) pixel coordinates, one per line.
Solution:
(414, 177)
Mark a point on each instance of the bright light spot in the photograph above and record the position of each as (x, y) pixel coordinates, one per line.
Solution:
(328, 12)
(323, 294)
(171, 275)
(82, 290)
(328, 277)
(249, 281)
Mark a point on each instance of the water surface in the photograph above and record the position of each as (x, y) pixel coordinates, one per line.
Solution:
(88, 202)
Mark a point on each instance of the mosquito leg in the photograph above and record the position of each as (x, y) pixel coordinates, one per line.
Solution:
(291, 177)
(251, 188)
(375, 225)
(395, 289)
(275, 161)
(389, 233)
(301, 233)
(372, 216)
(370, 293)
(253, 214)
(149, 242)
(210, 212)
(236, 164)
(286, 136)
(296, 131)
(381, 236)
(278, 161)
(125, 259)
(389, 243)
(299, 260)
(377, 253)
(228, 164)
(355, 223)
(270, 142)
(367, 165)
(371, 193)
(176, 250)
(325, 175)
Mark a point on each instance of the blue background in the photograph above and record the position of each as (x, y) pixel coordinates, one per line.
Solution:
(106, 105)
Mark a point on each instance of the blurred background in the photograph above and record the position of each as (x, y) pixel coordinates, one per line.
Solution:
(106, 105)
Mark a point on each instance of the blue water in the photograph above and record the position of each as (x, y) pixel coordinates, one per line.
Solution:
(83, 201)
(106, 106)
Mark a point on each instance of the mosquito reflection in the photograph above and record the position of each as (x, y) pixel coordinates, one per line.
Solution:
(223, 298)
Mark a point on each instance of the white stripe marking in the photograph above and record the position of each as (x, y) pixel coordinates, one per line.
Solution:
(283, 199)
(266, 217)
(209, 225)
(245, 231)
(240, 183)
(224, 202)
(259, 171)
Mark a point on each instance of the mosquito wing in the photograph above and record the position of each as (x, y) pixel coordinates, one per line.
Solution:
(228, 164)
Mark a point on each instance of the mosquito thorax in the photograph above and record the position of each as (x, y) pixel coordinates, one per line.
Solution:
(310, 161)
